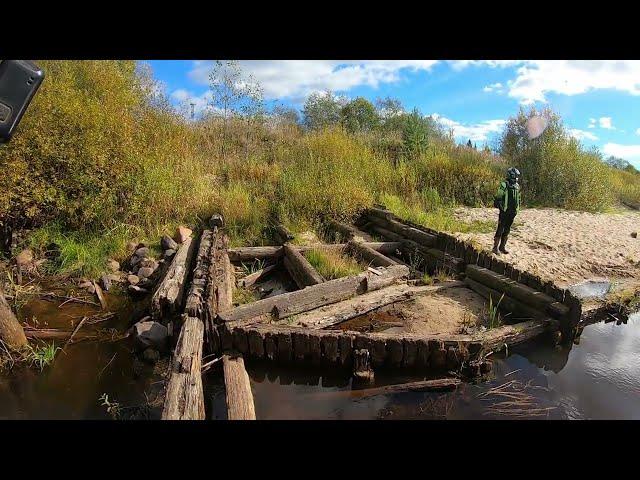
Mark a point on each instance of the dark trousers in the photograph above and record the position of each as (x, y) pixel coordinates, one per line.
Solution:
(505, 220)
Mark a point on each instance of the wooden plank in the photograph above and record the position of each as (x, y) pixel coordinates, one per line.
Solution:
(368, 254)
(239, 397)
(388, 234)
(333, 291)
(168, 297)
(184, 399)
(495, 339)
(300, 269)
(250, 254)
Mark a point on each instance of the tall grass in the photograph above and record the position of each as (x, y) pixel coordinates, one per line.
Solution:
(331, 264)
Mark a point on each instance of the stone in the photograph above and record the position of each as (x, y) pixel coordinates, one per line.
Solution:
(133, 279)
(24, 258)
(150, 355)
(169, 253)
(136, 291)
(105, 281)
(634, 234)
(182, 233)
(168, 243)
(151, 334)
(113, 265)
(114, 277)
(145, 272)
(149, 262)
(141, 252)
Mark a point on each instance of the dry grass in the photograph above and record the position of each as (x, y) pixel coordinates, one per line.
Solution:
(332, 264)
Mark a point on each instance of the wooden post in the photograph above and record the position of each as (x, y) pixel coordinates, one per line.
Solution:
(11, 332)
(299, 268)
(238, 389)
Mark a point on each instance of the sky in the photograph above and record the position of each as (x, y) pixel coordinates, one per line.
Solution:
(597, 99)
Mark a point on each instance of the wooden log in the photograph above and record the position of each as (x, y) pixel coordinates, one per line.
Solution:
(369, 255)
(224, 281)
(411, 233)
(518, 291)
(434, 257)
(300, 269)
(196, 303)
(284, 233)
(239, 397)
(362, 365)
(11, 331)
(336, 313)
(250, 254)
(386, 248)
(348, 232)
(254, 277)
(184, 398)
(495, 339)
(388, 234)
(516, 308)
(326, 293)
(168, 297)
(437, 385)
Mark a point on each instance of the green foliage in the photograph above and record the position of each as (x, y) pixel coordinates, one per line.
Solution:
(321, 110)
(359, 115)
(331, 264)
(41, 356)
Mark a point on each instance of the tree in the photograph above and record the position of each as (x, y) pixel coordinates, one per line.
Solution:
(284, 115)
(252, 107)
(321, 110)
(469, 144)
(359, 115)
(620, 164)
(389, 108)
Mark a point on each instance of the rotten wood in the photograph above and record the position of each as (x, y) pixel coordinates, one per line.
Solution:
(300, 269)
(168, 297)
(197, 297)
(254, 277)
(369, 255)
(422, 238)
(11, 331)
(239, 397)
(246, 254)
(437, 385)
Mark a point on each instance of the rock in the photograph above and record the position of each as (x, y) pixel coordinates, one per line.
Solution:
(634, 234)
(105, 281)
(136, 291)
(149, 262)
(167, 243)
(182, 233)
(132, 246)
(169, 253)
(114, 277)
(133, 279)
(113, 265)
(141, 252)
(150, 355)
(134, 261)
(145, 272)
(24, 258)
(151, 334)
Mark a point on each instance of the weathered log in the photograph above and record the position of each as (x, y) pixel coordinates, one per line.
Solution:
(254, 277)
(195, 305)
(249, 254)
(239, 397)
(167, 299)
(283, 235)
(369, 254)
(516, 308)
(496, 338)
(224, 280)
(388, 234)
(184, 398)
(411, 233)
(362, 365)
(11, 332)
(518, 291)
(437, 385)
(292, 303)
(299, 268)
(348, 232)
(434, 257)
(336, 313)
(57, 334)
(100, 295)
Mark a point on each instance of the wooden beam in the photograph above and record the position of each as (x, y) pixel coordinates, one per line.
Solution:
(325, 293)
(422, 238)
(239, 397)
(283, 235)
(299, 268)
(254, 277)
(196, 303)
(516, 308)
(348, 232)
(369, 255)
(495, 339)
(168, 297)
(250, 254)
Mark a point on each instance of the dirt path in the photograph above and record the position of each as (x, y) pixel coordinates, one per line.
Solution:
(567, 246)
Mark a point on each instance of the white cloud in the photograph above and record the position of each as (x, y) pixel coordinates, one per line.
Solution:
(477, 132)
(572, 77)
(582, 134)
(605, 122)
(631, 153)
(298, 78)
(497, 87)
(638, 131)
(592, 123)
(185, 98)
(461, 64)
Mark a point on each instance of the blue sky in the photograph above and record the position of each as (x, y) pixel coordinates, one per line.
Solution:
(597, 100)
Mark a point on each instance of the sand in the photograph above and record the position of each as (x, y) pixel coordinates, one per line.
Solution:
(567, 246)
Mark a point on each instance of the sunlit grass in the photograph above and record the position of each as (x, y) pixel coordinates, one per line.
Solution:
(332, 264)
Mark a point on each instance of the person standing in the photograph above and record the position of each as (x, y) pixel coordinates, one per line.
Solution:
(507, 200)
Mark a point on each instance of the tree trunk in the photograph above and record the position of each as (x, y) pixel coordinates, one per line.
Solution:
(11, 332)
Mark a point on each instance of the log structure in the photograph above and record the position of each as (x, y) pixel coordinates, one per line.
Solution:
(299, 268)
(348, 232)
(369, 255)
(238, 389)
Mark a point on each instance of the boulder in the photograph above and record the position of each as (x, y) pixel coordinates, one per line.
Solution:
(182, 233)
(114, 277)
(151, 334)
(145, 272)
(168, 243)
(113, 265)
(133, 279)
(24, 258)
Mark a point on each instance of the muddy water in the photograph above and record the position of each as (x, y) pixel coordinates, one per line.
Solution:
(599, 378)
(71, 387)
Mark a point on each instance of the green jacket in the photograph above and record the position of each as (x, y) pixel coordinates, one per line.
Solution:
(503, 198)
